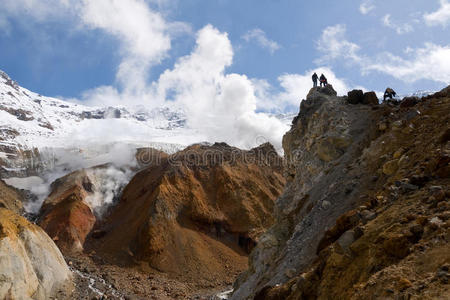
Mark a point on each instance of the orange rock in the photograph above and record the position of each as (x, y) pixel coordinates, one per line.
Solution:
(197, 211)
(69, 222)
(404, 284)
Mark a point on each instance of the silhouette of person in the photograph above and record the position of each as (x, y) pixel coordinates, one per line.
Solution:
(389, 93)
(314, 79)
(323, 80)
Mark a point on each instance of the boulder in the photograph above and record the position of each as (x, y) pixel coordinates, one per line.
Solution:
(31, 266)
(396, 245)
(346, 239)
(367, 215)
(409, 102)
(355, 97)
(390, 167)
(370, 98)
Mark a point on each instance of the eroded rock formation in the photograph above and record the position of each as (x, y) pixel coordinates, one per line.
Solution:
(365, 214)
(196, 213)
(31, 266)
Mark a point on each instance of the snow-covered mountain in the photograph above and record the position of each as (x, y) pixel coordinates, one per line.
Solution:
(43, 138)
(32, 124)
(32, 120)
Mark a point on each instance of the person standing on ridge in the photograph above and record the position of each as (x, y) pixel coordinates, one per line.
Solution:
(389, 93)
(314, 79)
(323, 80)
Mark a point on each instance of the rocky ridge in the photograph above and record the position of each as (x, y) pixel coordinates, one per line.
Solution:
(365, 211)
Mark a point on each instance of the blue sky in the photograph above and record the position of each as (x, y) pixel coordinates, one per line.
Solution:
(87, 50)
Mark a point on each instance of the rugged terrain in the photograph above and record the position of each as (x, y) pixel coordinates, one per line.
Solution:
(357, 209)
(31, 266)
(196, 213)
(185, 221)
(365, 214)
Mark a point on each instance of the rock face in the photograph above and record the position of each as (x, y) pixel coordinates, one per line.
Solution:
(358, 97)
(360, 222)
(31, 266)
(195, 214)
(77, 201)
(10, 198)
(65, 215)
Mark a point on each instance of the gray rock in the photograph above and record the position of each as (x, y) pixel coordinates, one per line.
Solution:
(321, 143)
(346, 239)
(326, 204)
(367, 215)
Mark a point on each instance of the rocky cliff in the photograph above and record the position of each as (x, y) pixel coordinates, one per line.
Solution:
(10, 198)
(195, 214)
(365, 212)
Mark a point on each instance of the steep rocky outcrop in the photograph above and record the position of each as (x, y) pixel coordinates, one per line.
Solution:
(194, 215)
(365, 213)
(66, 215)
(10, 198)
(31, 266)
(77, 200)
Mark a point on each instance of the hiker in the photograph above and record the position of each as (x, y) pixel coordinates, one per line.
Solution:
(323, 80)
(389, 93)
(314, 79)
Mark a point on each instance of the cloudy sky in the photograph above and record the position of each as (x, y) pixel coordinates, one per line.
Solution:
(228, 59)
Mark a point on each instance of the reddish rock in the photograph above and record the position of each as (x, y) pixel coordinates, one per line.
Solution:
(65, 215)
(69, 221)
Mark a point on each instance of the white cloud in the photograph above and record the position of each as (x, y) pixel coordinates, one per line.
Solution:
(294, 88)
(334, 45)
(400, 29)
(297, 86)
(38, 9)
(222, 106)
(366, 7)
(260, 37)
(439, 17)
(430, 62)
(143, 34)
